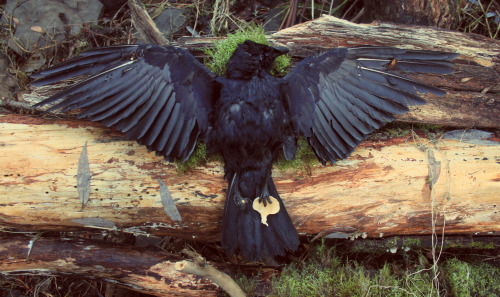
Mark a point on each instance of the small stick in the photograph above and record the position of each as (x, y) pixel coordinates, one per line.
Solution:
(207, 271)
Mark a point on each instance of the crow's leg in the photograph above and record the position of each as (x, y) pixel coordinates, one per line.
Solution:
(240, 202)
(265, 196)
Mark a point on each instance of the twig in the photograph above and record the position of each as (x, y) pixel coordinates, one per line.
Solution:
(220, 278)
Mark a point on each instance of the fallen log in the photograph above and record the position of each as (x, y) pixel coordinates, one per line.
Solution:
(383, 189)
(473, 98)
(147, 270)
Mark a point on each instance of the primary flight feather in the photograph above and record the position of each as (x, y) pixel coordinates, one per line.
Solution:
(164, 98)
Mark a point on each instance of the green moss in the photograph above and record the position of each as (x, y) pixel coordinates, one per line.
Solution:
(470, 245)
(325, 274)
(464, 279)
(411, 242)
(248, 284)
(219, 55)
(198, 157)
(304, 159)
(392, 243)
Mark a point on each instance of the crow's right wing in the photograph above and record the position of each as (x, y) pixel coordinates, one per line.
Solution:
(160, 96)
(336, 99)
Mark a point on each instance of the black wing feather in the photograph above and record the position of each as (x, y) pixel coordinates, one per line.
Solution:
(336, 99)
(159, 96)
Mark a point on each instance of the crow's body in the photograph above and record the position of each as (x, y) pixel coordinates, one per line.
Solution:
(250, 127)
(165, 99)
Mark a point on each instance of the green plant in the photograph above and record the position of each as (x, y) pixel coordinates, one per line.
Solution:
(465, 279)
(198, 157)
(327, 274)
(304, 159)
(478, 17)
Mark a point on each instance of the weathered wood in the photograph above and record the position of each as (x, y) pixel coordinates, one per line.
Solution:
(439, 13)
(473, 98)
(144, 24)
(381, 190)
(147, 270)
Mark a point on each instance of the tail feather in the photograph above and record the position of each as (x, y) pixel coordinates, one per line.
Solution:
(243, 231)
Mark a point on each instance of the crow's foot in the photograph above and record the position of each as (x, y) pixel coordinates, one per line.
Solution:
(264, 196)
(240, 201)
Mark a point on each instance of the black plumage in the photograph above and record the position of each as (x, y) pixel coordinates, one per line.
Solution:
(164, 98)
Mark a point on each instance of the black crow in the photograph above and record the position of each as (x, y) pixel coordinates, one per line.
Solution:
(164, 98)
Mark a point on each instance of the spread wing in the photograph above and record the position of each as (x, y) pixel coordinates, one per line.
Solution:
(336, 99)
(160, 96)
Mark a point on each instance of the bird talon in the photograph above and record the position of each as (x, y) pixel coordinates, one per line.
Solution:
(265, 198)
(241, 202)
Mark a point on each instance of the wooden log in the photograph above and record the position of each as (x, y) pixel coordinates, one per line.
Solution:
(381, 190)
(473, 98)
(148, 270)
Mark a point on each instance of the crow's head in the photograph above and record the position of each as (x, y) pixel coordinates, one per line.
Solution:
(251, 59)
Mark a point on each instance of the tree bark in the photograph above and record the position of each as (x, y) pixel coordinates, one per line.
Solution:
(148, 270)
(439, 13)
(381, 190)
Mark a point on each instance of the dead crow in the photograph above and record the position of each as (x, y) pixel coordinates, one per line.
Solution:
(165, 99)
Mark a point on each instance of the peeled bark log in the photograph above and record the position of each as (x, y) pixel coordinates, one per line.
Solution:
(381, 190)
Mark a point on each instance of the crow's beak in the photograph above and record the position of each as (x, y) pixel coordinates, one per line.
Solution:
(280, 49)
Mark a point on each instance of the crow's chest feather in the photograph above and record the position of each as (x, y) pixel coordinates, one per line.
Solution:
(250, 113)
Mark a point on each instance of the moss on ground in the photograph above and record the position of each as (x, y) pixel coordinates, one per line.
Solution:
(329, 273)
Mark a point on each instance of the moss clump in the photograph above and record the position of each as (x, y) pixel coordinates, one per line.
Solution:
(411, 242)
(198, 157)
(464, 279)
(304, 159)
(219, 55)
(477, 245)
(325, 274)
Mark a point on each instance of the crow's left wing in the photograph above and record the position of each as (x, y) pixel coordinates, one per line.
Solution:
(336, 99)
(158, 95)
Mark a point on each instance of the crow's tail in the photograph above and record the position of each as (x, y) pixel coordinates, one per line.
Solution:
(244, 230)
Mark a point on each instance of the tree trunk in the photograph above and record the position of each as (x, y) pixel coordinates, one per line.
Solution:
(382, 189)
(439, 13)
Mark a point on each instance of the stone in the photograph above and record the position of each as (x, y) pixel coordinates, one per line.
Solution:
(56, 19)
(170, 21)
